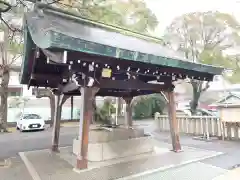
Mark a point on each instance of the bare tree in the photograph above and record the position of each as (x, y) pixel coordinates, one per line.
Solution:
(10, 50)
(200, 33)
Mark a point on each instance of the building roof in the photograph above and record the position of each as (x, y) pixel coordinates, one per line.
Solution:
(50, 28)
(229, 96)
(54, 28)
(228, 105)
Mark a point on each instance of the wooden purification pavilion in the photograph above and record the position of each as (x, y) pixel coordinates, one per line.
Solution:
(75, 56)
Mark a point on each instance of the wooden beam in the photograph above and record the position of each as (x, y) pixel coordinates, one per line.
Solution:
(55, 57)
(57, 118)
(41, 92)
(71, 86)
(173, 122)
(49, 77)
(73, 56)
(61, 99)
(132, 93)
(56, 124)
(85, 118)
(58, 58)
(128, 112)
(130, 85)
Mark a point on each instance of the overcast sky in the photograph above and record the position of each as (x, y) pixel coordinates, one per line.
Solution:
(166, 10)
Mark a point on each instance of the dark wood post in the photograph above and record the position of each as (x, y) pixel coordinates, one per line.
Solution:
(56, 124)
(53, 108)
(87, 96)
(71, 108)
(60, 100)
(173, 122)
(128, 111)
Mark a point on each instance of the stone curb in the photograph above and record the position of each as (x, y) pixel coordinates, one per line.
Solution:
(29, 166)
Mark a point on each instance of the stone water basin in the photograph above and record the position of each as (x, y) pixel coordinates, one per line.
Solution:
(112, 143)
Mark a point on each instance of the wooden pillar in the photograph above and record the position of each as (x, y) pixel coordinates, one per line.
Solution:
(60, 100)
(56, 124)
(87, 96)
(173, 122)
(128, 112)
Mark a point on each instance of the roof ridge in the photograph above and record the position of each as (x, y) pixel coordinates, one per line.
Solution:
(73, 16)
(230, 94)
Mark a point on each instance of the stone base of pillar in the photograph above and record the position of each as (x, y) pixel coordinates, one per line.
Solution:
(55, 148)
(128, 127)
(177, 147)
(176, 144)
(177, 150)
(82, 164)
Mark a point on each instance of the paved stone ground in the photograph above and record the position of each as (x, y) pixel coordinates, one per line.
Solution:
(16, 171)
(230, 158)
(37, 140)
(67, 155)
(52, 166)
(232, 175)
(193, 171)
(15, 142)
(56, 169)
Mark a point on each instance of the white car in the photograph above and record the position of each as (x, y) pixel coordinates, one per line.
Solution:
(30, 122)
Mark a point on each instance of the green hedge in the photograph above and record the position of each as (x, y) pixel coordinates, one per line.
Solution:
(102, 114)
(147, 106)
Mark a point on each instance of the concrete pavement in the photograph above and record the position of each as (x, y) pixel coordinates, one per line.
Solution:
(44, 165)
(27, 141)
(15, 171)
(12, 143)
(230, 158)
(231, 175)
(55, 168)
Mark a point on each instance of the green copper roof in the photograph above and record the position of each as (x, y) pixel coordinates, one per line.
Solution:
(49, 28)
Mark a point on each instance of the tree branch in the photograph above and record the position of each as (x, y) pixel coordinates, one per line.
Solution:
(8, 7)
(8, 26)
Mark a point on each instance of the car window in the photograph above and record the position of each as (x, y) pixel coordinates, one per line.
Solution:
(31, 116)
